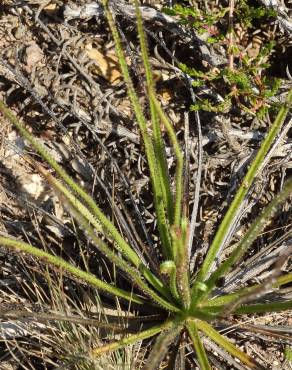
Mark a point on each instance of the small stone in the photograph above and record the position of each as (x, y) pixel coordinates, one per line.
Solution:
(33, 56)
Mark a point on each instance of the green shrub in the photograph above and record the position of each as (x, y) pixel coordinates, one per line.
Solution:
(244, 83)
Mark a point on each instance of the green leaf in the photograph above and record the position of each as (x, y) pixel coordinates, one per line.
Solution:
(253, 232)
(232, 212)
(179, 158)
(282, 280)
(76, 272)
(85, 218)
(105, 222)
(229, 298)
(159, 196)
(114, 258)
(159, 146)
(288, 354)
(179, 237)
(199, 348)
(265, 307)
(169, 268)
(130, 339)
(161, 345)
(226, 344)
(93, 209)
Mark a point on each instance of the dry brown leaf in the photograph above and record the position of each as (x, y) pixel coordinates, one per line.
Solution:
(166, 95)
(107, 64)
(50, 7)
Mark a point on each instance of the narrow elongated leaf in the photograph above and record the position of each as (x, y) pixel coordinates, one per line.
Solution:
(107, 225)
(199, 348)
(133, 273)
(74, 187)
(169, 268)
(76, 272)
(179, 237)
(161, 346)
(224, 305)
(159, 146)
(226, 344)
(83, 214)
(282, 280)
(130, 339)
(162, 223)
(179, 159)
(265, 307)
(253, 232)
(243, 190)
(228, 298)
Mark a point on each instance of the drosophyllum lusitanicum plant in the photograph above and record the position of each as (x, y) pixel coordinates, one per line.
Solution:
(192, 307)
